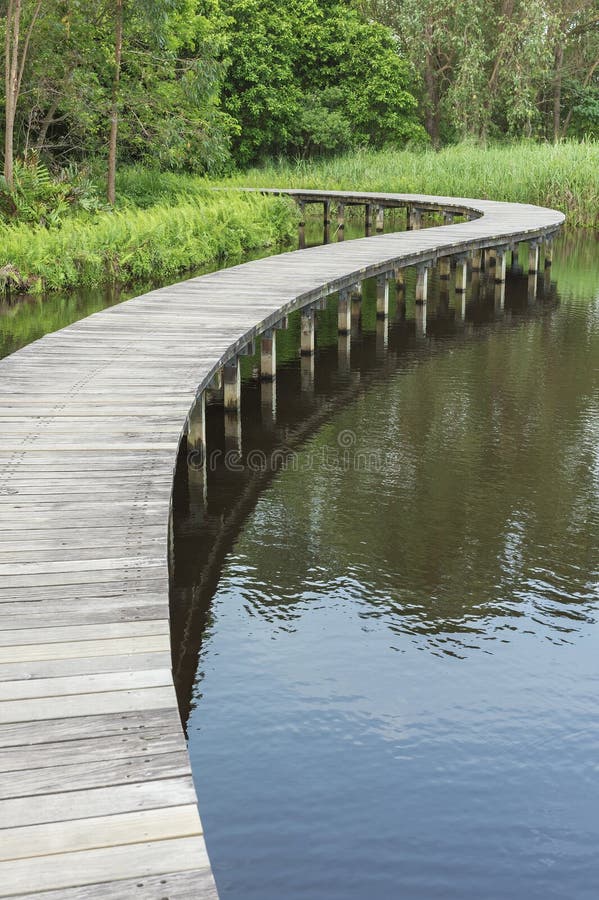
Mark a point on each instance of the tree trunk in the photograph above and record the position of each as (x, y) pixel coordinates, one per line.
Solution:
(114, 110)
(431, 110)
(11, 85)
(557, 93)
(46, 122)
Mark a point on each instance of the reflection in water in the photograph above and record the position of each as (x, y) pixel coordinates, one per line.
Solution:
(396, 635)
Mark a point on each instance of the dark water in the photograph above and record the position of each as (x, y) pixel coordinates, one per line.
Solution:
(396, 689)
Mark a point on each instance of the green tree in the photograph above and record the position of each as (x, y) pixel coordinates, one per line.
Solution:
(312, 77)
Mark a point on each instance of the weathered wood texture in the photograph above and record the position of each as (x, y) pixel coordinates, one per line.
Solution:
(96, 797)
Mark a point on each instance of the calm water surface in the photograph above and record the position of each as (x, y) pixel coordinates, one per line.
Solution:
(388, 651)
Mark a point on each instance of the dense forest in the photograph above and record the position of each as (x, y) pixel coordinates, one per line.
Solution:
(207, 86)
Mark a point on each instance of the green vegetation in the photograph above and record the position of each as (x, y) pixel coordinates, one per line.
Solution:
(155, 243)
(564, 176)
(118, 116)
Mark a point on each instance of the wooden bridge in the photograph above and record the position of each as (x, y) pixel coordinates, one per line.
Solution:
(96, 793)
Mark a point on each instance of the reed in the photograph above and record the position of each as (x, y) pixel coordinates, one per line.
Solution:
(563, 176)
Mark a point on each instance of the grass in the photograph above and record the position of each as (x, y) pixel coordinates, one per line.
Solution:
(167, 224)
(563, 176)
(156, 243)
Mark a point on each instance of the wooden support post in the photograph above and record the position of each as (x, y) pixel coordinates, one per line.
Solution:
(420, 319)
(499, 296)
(533, 278)
(268, 401)
(461, 276)
(232, 422)
(382, 335)
(302, 212)
(500, 265)
(448, 218)
(445, 268)
(444, 297)
(382, 297)
(301, 238)
(414, 218)
(307, 373)
(214, 388)
(533, 258)
(422, 284)
(476, 260)
(344, 313)
(515, 257)
(344, 351)
(368, 218)
(308, 330)
(196, 452)
(232, 385)
(460, 306)
(340, 221)
(491, 259)
(421, 298)
(548, 245)
(326, 212)
(400, 278)
(380, 219)
(196, 426)
(268, 355)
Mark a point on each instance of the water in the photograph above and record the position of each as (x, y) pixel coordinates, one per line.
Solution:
(386, 652)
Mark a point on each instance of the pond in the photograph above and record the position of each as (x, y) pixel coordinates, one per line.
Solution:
(385, 637)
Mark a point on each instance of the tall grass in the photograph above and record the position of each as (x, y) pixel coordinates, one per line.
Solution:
(564, 176)
(154, 243)
(167, 224)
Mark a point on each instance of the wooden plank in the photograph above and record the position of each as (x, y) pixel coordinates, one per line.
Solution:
(178, 886)
(65, 870)
(74, 751)
(100, 831)
(62, 634)
(40, 783)
(84, 684)
(66, 705)
(88, 727)
(73, 649)
(65, 806)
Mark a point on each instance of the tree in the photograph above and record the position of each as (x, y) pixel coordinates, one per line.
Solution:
(114, 106)
(15, 58)
(315, 76)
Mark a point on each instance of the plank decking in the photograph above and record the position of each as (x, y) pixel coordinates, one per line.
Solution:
(96, 794)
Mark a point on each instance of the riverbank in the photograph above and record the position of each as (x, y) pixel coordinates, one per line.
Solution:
(185, 230)
(167, 224)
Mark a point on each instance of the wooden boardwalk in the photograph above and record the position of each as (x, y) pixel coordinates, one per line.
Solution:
(96, 793)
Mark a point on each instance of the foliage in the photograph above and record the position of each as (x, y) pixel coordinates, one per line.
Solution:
(314, 77)
(136, 244)
(40, 198)
(564, 176)
(496, 68)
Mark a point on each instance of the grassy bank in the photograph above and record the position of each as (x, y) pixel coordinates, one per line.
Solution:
(131, 243)
(167, 224)
(565, 176)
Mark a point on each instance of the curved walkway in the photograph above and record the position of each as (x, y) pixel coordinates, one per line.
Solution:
(96, 795)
